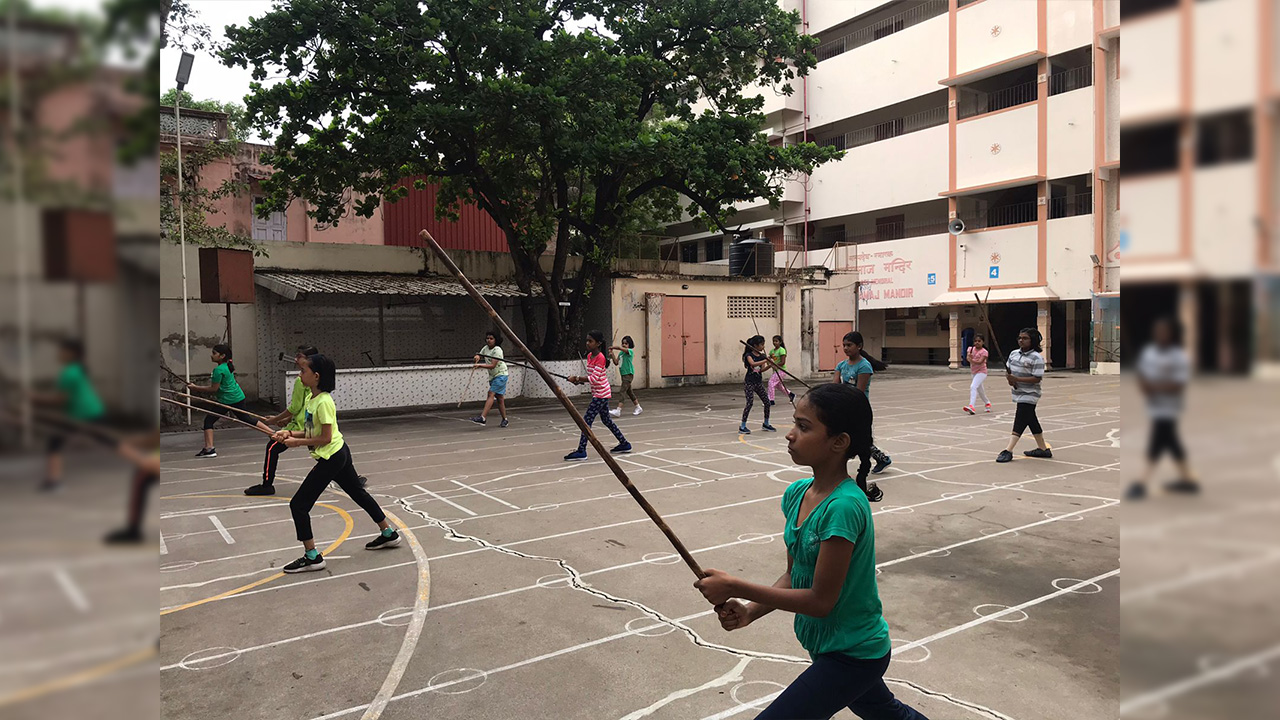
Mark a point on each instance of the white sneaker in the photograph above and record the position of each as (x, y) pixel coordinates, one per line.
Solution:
(638, 410)
(616, 412)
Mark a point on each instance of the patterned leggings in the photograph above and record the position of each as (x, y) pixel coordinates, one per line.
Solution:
(599, 406)
(751, 388)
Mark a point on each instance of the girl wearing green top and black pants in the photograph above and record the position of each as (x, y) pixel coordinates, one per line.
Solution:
(830, 580)
(226, 391)
(624, 360)
(78, 400)
(333, 464)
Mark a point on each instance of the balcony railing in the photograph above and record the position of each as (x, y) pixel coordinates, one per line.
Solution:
(888, 26)
(1014, 214)
(1073, 79)
(974, 103)
(1071, 205)
(914, 122)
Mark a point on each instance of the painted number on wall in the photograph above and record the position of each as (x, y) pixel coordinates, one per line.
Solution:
(995, 272)
(933, 278)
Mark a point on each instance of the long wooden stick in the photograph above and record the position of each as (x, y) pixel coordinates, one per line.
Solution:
(530, 367)
(214, 402)
(779, 369)
(986, 319)
(220, 415)
(467, 386)
(568, 405)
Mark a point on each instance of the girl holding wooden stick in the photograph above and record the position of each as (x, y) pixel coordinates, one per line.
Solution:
(493, 362)
(597, 377)
(227, 391)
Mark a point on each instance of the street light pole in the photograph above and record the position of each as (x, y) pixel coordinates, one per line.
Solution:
(184, 76)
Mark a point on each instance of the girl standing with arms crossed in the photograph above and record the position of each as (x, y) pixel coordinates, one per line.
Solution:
(597, 362)
(754, 360)
(857, 371)
(222, 383)
(333, 464)
(492, 352)
(626, 368)
(830, 580)
(778, 359)
(977, 357)
(1023, 371)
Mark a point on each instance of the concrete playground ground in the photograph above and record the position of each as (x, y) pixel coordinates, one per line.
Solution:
(535, 588)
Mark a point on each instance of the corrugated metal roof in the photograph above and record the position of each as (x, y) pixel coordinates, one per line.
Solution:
(292, 284)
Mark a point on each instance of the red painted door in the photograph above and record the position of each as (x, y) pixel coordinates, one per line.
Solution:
(695, 336)
(672, 336)
(831, 343)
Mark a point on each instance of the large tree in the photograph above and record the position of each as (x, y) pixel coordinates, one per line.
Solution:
(577, 122)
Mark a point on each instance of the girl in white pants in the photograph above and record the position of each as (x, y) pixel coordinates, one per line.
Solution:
(977, 357)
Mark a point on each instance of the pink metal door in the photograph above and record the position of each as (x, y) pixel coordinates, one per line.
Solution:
(831, 343)
(695, 336)
(672, 336)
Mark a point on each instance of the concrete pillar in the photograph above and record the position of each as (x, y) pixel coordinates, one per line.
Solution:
(954, 361)
(1073, 352)
(1042, 324)
(1226, 355)
(1187, 311)
(653, 340)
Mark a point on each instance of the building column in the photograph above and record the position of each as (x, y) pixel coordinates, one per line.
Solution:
(1187, 310)
(653, 340)
(1073, 353)
(954, 361)
(1042, 324)
(1226, 352)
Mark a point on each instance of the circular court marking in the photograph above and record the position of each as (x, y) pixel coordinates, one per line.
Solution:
(661, 558)
(887, 509)
(988, 532)
(175, 536)
(1211, 662)
(526, 468)
(542, 507)
(1064, 517)
(899, 658)
(929, 552)
(178, 566)
(447, 478)
(451, 521)
(619, 495)
(1150, 712)
(648, 630)
(553, 581)
(686, 484)
(461, 678)
(956, 496)
(1012, 618)
(1064, 583)
(386, 618)
(216, 657)
(755, 538)
(767, 683)
(572, 480)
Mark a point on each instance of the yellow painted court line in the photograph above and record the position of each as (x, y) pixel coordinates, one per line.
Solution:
(412, 632)
(743, 439)
(80, 678)
(346, 532)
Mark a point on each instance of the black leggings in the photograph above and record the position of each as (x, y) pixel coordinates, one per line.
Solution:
(271, 461)
(142, 482)
(1164, 436)
(751, 388)
(339, 469)
(835, 681)
(1024, 418)
(238, 413)
(600, 407)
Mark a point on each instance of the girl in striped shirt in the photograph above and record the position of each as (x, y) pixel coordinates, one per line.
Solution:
(597, 362)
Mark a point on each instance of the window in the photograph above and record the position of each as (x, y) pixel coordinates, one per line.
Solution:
(926, 328)
(689, 253)
(715, 249)
(891, 227)
(895, 328)
(273, 228)
(763, 306)
(1224, 138)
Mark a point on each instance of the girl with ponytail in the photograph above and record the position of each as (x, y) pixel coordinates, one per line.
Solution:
(857, 371)
(830, 580)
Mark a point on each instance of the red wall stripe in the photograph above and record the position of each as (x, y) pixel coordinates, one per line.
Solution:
(474, 229)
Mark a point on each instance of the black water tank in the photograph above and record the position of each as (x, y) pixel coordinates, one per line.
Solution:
(751, 257)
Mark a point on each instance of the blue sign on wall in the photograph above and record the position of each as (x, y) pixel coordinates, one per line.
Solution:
(933, 278)
(995, 272)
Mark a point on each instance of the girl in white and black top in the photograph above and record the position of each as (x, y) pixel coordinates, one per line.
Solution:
(1024, 370)
(1164, 370)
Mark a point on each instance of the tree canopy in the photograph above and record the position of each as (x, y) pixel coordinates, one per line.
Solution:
(578, 122)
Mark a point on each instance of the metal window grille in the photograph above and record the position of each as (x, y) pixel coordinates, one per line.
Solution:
(895, 328)
(763, 306)
(887, 26)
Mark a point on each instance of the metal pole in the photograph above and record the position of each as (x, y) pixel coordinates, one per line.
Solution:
(182, 244)
(19, 236)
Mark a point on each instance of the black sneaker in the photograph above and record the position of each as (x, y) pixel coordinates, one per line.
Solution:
(622, 447)
(772, 403)
(1136, 491)
(123, 536)
(1038, 453)
(1004, 457)
(874, 493)
(207, 453)
(576, 455)
(880, 466)
(305, 564)
(363, 480)
(49, 486)
(383, 541)
(1184, 486)
(503, 423)
(793, 397)
(478, 420)
(260, 490)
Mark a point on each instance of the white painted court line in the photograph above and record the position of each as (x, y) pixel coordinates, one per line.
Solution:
(1195, 578)
(412, 632)
(222, 530)
(1195, 682)
(72, 590)
(481, 492)
(445, 500)
(164, 549)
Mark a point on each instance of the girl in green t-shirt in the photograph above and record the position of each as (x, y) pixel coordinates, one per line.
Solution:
(76, 398)
(830, 580)
(225, 389)
(778, 359)
(320, 434)
(624, 358)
